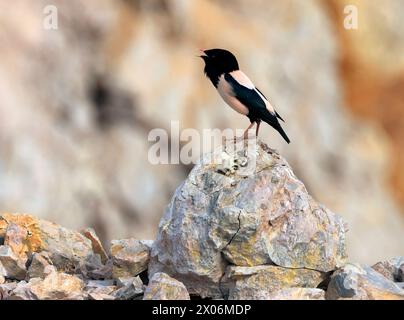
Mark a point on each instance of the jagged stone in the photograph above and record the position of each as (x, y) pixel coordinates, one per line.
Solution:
(96, 243)
(356, 282)
(91, 267)
(22, 292)
(11, 266)
(15, 237)
(129, 288)
(57, 286)
(259, 283)
(66, 248)
(100, 289)
(38, 264)
(163, 287)
(6, 289)
(259, 214)
(130, 257)
(390, 268)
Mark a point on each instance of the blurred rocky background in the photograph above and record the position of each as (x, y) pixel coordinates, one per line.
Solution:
(77, 104)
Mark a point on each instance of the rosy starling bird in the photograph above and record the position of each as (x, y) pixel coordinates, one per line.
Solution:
(238, 91)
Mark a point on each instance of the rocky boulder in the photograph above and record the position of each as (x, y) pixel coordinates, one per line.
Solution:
(26, 234)
(242, 205)
(357, 282)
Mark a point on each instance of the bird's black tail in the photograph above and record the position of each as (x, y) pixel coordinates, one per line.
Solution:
(282, 133)
(273, 121)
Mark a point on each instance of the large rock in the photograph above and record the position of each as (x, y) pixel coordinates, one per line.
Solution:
(163, 287)
(261, 282)
(252, 212)
(66, 248)
(356, 282)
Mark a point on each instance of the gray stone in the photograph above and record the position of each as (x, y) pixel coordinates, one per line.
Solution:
(390, 268)
(163, 287)
(356, 282)
(6, 289)
(129, 288)
(22, 292)
(92, 267)
(129, 257)
(400, 274)
(38, 264)
(259, 214)
(100, 289)
(11, 266)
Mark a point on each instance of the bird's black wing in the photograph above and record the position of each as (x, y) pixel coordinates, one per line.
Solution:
(249, 97)
(276, 113)
(256, 105)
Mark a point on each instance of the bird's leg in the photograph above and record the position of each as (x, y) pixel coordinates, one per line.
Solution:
(245, 135)
(258, 128)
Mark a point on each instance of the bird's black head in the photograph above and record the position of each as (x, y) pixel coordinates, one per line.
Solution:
(218, 62)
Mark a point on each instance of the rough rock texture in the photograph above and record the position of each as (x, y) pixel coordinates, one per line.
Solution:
(263, 282)
(357, 282)
(34, 276)
(391, 269)
(38, 265)
(297, 294)
(129, 257)
(96, 243)
(91, 156)
(259, 214)
(163, 287)
(129, 288)
(57, 286)
(11, 266)
(65, 247)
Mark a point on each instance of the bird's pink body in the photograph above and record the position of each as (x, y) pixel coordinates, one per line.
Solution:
(227, 93)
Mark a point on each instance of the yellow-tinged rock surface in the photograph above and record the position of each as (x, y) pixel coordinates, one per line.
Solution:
(26, 234)
(164, 287)
(263, 282)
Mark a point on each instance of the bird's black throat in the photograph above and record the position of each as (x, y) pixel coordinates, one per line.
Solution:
(213, 74)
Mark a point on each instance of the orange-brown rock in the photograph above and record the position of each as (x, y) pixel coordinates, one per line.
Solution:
(66, 248)
(96, 243)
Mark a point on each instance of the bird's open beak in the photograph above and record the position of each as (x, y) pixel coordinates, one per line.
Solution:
(202, 53)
